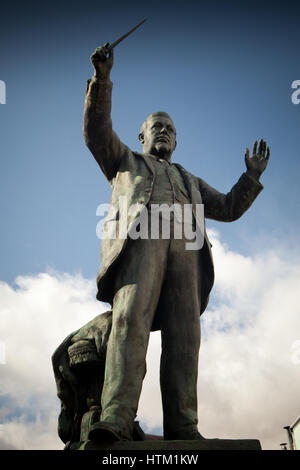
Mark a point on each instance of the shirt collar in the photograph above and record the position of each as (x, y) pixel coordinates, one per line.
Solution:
(159, 159)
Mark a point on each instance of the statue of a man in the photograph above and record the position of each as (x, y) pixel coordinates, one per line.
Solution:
(154, 283)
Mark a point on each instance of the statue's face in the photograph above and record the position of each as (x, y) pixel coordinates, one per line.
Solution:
(158, 136)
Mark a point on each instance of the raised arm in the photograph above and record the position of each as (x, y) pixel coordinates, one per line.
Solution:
(97, 125)
(231, 206)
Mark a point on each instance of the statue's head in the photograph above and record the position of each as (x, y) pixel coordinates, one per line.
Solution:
(158, 135)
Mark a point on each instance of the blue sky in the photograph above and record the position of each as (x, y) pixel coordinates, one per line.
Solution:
(223, 71)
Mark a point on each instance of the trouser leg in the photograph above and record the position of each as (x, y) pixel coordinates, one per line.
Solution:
(138, 285)
(180, 329)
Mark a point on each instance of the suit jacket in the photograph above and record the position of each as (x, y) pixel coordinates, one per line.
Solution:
(132, 174)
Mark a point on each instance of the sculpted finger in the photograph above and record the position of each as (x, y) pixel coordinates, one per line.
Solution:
(94, 55)
(260, 147)
(100, 54)
(263, 152)
(264, 147)
(247, 155)
(98, 50)
(106, 51)
(254, 148)
(268, 153)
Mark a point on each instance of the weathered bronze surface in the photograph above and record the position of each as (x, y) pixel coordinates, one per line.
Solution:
(150, 283)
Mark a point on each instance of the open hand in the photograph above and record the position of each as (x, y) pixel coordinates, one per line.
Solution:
(102, 61)
(258, 161)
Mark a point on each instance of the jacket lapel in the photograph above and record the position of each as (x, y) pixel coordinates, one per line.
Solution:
(188, 181)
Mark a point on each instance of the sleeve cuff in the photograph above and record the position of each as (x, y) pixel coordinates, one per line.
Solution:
(254, 180)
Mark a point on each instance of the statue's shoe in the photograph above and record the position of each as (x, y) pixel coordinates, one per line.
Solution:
(107, 432)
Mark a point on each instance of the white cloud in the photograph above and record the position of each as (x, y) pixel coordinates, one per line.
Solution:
(34, 319)
(19, 434)
(246, 361)
(248, 374)
(249, 366)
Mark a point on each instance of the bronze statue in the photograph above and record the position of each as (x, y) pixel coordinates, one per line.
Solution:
(153, 283)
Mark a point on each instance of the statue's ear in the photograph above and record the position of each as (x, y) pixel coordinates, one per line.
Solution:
(141, 137)
(175, 145)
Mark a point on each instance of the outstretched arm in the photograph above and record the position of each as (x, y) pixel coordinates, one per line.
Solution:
(97, 125)
(229, 207)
